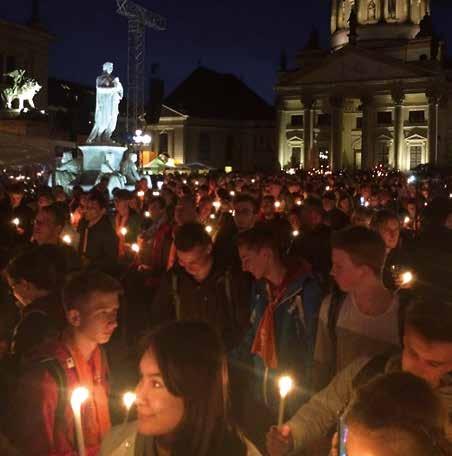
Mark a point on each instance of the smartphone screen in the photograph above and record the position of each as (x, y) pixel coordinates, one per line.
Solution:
(343, 433)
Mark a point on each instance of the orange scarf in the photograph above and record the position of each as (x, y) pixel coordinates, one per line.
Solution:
(172, 256)
(264, 343)
(95, 412)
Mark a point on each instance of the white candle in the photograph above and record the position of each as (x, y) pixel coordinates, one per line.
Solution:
(135, 248)
(79, 396)
(285, 385)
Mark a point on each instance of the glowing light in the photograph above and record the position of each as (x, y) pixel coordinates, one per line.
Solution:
(277, 204)
(78, 397)
(67, 239)
(212, 216)
(295, 233)
(196, 183)
(228, 169)
(411, 179)
(298, 202)
(138, 132)
(123, 231)
(366, 204)
(140, 194)
(232, 193)
(128, 399)
(285, 385)
(327, 188)
(406, 220)
(253, 181)
(209, 229)
(407, 277)
(155, 193)
(147, 214)
(184, 182)
(216, 205)
(135, 248)
(15, 221)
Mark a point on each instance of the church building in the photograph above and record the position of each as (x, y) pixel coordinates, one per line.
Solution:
(380, 95)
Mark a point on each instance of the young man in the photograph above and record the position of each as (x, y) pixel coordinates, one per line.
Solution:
(33, 280)
(427, 354)
(284, 308)
(200, 288)
(98, 241)
(41, 416)
(360, 319)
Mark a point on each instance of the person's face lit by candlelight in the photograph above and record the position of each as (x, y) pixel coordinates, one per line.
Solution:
(159, 411)
(46, 230)
(196, 261)
(390, 233)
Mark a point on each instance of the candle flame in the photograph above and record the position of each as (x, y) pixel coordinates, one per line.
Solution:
(295, 233)
(147, 214)
(209, 229)
(79, 396)
(128, 399)
(15, 221)
(67, 239)
(285, 384)
(135, 248)
(407, 277)
(123, 230)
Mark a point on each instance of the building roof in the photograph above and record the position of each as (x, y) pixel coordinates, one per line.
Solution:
(207, 94)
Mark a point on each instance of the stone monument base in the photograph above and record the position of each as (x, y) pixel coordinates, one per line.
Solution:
(95, 154)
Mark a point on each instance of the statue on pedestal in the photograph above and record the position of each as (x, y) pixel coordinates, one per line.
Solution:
(129, 168)
(109, 93)
(107, 169)
(66, 171)
(371, 11)
(23, 89)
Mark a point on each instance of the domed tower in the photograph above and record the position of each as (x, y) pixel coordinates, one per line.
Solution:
(379, 21)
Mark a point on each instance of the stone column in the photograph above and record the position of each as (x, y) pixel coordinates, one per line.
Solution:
(337, 119)
(396, 159)
(171, 143)
(367, 136)
(409, 17)
(382, 11)
(333, 16)
(433, 108)
(281, 126)
(308, 129)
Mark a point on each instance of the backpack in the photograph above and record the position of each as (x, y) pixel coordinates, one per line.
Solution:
(176, 296)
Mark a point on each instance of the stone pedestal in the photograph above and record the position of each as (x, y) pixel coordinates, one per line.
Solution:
(95, 154)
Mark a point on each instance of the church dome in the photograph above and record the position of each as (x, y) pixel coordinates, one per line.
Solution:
(394, 20)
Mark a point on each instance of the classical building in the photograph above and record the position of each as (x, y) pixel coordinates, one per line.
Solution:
(380, 95)
(217, 120)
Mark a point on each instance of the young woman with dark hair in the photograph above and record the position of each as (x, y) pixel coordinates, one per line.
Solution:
(181, 399)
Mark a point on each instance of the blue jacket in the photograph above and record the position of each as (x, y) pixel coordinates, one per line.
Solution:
(295, 332)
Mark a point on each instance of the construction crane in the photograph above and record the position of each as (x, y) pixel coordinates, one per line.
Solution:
(139, 19)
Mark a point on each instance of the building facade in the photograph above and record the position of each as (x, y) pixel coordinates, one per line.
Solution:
(215, 119)
(380, 95)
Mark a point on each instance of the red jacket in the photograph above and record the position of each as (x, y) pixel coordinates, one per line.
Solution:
(36, 429)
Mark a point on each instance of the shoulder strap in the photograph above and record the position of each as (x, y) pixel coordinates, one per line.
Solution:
(175, 293)
(374, 367)
(336, 301)
(228, 286)
(54, 368)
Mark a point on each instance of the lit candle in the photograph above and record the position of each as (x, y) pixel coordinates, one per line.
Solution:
(253, 181)
(128, 399)
(407, 277)
(67, 239)
(216, 205)
(298, 202)
(327, 188)
(232, 193)
(277, 204)
(209, 229)
(196, 182)
(295, 233)
(212, 216)
(155, 193)
(147, 214)
(140, 194)
(123, 230)
(135, 248)
(406, 220)
(285, 385)
(79, 396)
(16, 222)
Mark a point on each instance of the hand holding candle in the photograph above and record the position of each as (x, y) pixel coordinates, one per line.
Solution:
(79, 396)
(285, 384)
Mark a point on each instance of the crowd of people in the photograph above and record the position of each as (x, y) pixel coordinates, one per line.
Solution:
(200, 292)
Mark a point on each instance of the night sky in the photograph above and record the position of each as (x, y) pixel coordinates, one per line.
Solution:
(243, 37)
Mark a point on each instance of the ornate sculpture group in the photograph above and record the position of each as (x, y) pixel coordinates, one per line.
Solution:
(23, 89)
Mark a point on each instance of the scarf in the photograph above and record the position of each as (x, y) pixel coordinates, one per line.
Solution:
(95, 411)
(264, 344)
